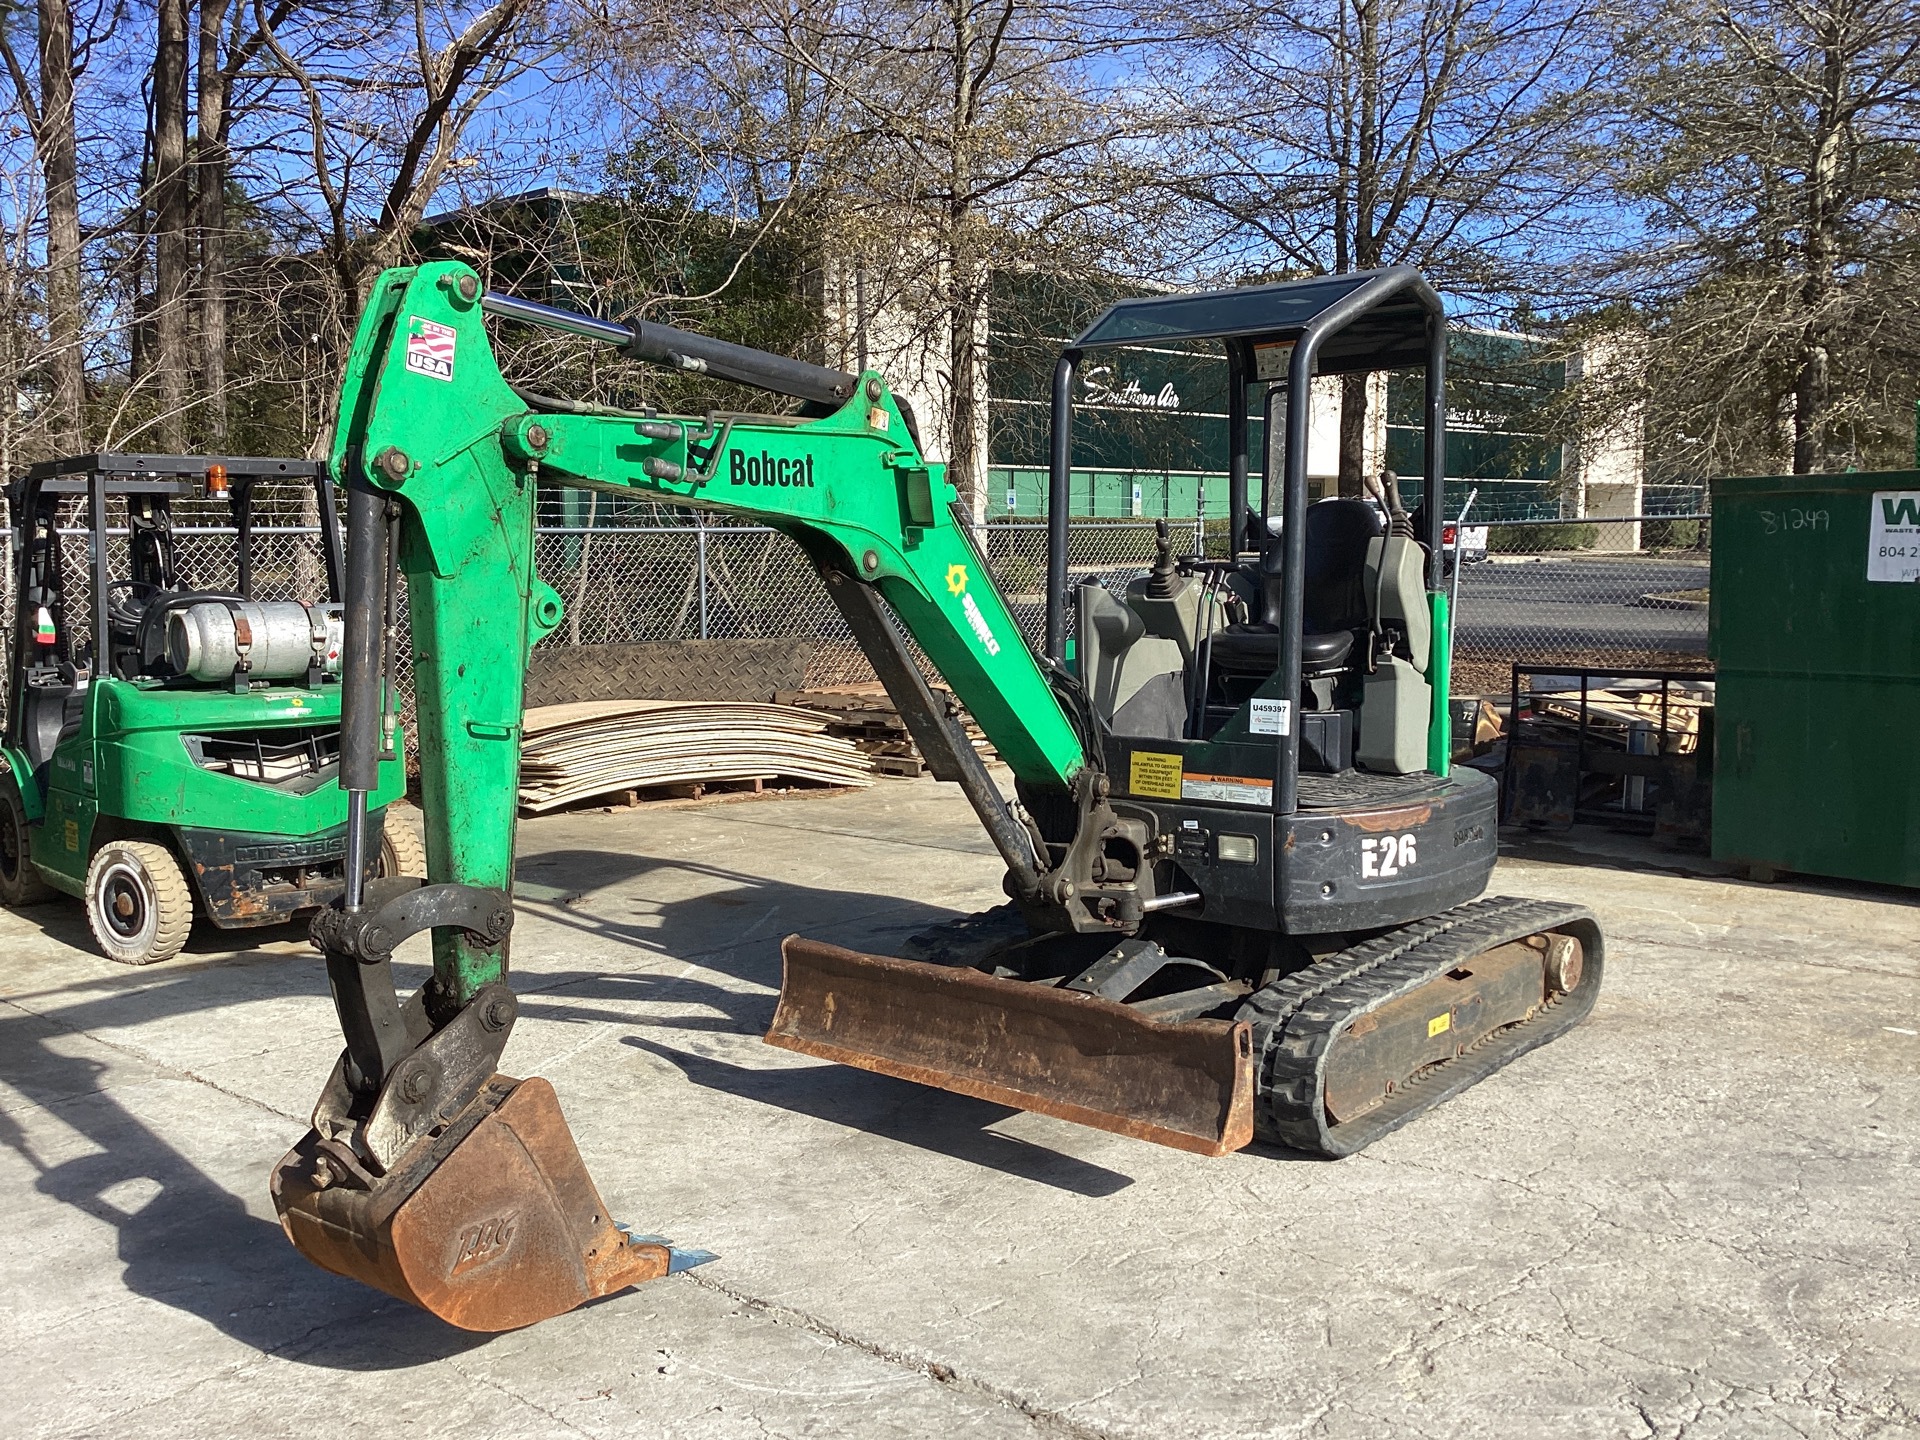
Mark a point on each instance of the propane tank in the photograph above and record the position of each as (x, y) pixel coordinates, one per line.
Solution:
(278, 639)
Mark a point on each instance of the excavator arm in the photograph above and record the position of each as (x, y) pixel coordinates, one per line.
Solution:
(427, 1173)
(1180, 953)
(430, 425)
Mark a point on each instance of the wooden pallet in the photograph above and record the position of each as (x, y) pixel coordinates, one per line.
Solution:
(863, 713)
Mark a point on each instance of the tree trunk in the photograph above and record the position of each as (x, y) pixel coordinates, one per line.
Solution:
(59, 164)
(967, 280)
(210, 219)
(1353, 434)
(1812, 385)
(967, 436)
(1811, 389)
(170, 203)
(1363, 246)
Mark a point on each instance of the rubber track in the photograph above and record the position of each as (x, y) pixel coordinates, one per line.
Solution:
(1296, 1019)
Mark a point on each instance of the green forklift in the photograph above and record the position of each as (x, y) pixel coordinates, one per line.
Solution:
(171, 745)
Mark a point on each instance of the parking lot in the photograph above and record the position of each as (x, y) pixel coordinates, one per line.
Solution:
(1691, 1217)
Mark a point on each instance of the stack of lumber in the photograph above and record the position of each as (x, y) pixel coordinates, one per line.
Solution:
(603, 747)
(862, 714)
(1615, 711)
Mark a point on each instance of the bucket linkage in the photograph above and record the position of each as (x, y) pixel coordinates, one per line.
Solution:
(429, 1175)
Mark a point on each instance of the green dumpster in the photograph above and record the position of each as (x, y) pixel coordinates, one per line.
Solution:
(1815, 618)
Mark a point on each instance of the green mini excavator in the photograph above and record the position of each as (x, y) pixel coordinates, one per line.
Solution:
(1241, 877)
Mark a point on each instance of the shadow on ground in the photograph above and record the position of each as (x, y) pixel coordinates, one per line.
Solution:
(188, 1242)
(184, 1239)
(1590, 847)
(951, 1125)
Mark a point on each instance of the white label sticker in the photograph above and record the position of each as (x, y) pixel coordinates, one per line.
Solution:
(1893, 537)
(1271, 717)
(430, 347)
(1384, 856)
(1272, 361)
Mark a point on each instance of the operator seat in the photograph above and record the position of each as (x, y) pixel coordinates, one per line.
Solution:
(1334, 612)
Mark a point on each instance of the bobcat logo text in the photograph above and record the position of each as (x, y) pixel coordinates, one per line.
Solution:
(766, 469)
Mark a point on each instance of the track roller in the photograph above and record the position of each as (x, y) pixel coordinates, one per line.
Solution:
(1361, 1042)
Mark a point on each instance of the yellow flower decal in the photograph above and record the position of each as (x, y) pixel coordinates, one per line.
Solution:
(956, 579)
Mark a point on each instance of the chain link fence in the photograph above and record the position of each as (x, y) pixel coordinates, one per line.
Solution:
(1590, 593)
(1628, 593)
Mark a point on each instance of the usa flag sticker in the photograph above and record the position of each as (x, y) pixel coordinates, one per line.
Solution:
(430, 347)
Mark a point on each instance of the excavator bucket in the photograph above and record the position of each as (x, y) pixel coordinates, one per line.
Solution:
(1034, 1047)
(491, 1225)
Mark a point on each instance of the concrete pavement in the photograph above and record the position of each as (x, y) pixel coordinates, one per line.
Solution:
(1691, 1217)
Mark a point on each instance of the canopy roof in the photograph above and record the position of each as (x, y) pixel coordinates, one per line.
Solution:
(1388, 333)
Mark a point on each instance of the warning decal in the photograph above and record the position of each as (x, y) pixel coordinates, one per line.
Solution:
(1273, 360)
(1228, 789)
(1150, 772)
(430, 347)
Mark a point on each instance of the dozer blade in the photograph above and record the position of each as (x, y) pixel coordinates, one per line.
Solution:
(491, 1225)
(1034, 1047)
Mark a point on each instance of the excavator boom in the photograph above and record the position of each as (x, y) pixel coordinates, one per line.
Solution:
(427, 1173)
(1204, 942)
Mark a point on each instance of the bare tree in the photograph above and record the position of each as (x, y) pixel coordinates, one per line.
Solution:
(950, 140)
(227, 45)
(170, 209)
(382, 109)
(1772, 153)
(1440, 133)
(48, 111)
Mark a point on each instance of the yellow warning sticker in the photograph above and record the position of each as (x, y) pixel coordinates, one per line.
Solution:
(1150, 772)
(1439, 1025)
(71, 835)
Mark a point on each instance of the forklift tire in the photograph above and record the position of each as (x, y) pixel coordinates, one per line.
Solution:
(401, 850)
(138, 904)
(20, 882)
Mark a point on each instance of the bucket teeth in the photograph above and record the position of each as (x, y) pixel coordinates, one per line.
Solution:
(1034, 1047)
(491, 1225)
